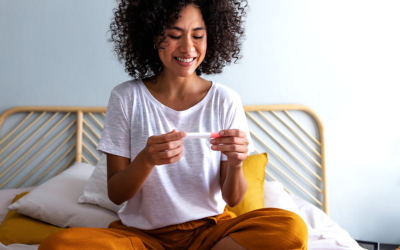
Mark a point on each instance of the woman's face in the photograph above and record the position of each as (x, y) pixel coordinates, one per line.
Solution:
(185, 44)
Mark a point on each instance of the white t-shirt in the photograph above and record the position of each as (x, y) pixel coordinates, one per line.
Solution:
(188, 189)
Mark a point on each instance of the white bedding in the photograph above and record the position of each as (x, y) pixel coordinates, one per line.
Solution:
(323, 232)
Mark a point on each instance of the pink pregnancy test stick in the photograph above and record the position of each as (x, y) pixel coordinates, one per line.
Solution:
(202, 135)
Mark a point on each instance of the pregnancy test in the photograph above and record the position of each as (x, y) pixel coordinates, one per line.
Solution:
(202, 135)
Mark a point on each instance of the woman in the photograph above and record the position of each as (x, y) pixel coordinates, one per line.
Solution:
(177, 188)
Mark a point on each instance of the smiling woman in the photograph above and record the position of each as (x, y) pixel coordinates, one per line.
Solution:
(176, 190)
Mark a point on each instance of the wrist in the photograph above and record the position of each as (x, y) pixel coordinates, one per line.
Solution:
(234, 170)
(236, 166)
(146, 160)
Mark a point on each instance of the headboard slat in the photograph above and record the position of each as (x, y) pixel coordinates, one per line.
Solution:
(45, 160)
(287, 138)
(297, 134)
(55, 164)
(90, 151)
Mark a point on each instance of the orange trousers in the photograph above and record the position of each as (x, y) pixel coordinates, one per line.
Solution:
(266, 228)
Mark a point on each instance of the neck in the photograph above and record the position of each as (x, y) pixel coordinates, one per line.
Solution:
(176, 86)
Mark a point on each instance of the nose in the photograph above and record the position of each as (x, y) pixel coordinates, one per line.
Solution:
(187, 45)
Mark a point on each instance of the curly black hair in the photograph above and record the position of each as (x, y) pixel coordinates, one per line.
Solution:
(137, 22)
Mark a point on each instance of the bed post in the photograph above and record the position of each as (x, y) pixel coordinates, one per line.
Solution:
(79, 131)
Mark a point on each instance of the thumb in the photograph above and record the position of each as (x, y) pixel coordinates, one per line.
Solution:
(173, 131)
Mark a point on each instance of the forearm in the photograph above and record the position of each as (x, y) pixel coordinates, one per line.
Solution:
(125, 184)
(235, 186)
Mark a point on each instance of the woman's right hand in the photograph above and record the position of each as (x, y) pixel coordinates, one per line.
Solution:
(165, 148)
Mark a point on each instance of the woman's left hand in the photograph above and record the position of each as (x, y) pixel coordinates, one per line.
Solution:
(233, 144)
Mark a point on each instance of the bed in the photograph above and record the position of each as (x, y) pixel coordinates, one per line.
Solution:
(47, 151)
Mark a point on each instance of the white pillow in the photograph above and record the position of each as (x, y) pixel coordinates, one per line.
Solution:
(6, 197)
(55, 201)
(96, 189)
(276, 196)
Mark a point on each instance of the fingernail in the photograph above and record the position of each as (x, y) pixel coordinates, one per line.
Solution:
(214, 147)
(212, 141)
(183, 134)
(221, 133)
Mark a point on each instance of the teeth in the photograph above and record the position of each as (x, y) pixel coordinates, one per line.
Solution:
(185, 60)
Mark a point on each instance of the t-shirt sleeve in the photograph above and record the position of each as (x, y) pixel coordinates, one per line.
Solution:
(236, 119)
(115, 137)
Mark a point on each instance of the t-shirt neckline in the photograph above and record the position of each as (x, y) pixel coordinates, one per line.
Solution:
(173, 111)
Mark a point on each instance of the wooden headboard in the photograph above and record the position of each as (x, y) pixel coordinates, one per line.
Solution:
(37, 143)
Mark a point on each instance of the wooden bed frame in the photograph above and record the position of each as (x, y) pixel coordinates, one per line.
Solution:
(40, 142)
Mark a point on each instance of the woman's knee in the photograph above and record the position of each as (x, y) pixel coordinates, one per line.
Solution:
(297, 228)
(286, 225)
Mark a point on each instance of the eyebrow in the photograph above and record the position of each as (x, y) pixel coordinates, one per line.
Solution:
(180, 29)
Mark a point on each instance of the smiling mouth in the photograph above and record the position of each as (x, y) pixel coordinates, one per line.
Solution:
(184, 59)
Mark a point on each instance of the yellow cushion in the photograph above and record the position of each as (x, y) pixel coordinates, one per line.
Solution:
(254, 172)
(18, 228)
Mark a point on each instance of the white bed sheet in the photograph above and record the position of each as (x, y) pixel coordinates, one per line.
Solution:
(323, 232)
(19, 247)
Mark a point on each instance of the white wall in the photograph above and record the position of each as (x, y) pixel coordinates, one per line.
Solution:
(341, 58)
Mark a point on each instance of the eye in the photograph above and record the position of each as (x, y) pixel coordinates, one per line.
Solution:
(174, 37)
(198, 37)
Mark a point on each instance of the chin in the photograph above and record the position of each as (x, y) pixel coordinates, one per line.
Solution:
(185, 74)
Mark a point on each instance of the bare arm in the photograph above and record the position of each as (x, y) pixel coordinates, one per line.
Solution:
(233, 184)
(234, 146)
(126, 179)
